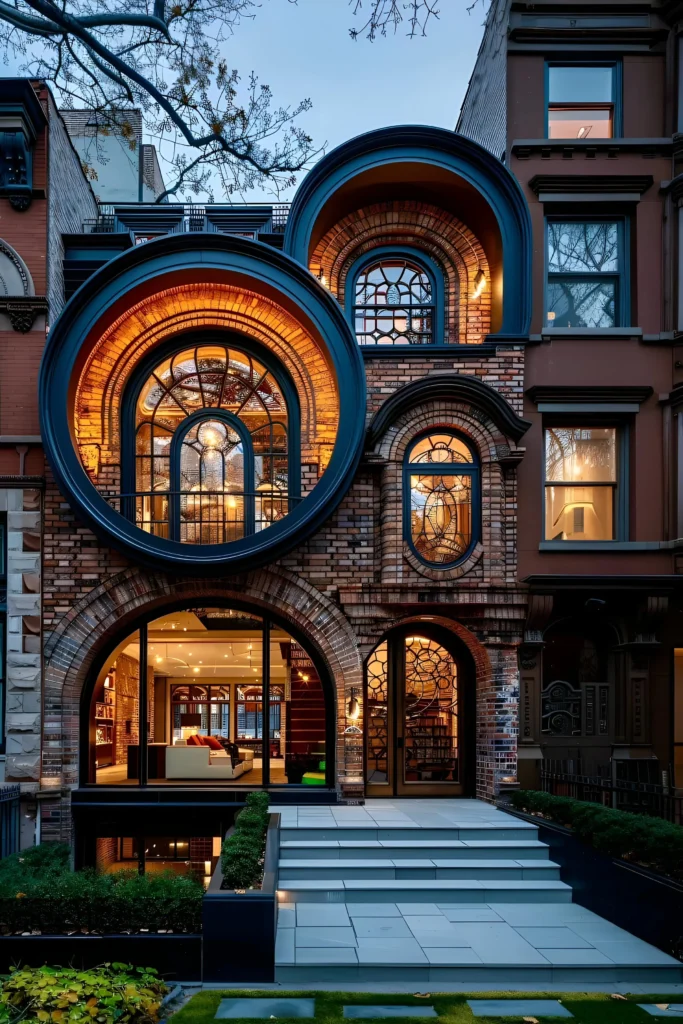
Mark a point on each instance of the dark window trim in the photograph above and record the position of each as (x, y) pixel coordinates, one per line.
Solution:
(621, 486)
(471, 469)
(617, 90)
(622, 304)
(201, 339)
(433, 271)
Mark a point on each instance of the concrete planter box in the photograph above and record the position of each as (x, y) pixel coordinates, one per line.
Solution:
(238, 928)
(175, 957)
(646, 904)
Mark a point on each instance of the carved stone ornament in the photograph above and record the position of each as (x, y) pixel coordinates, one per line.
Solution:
(23, 310)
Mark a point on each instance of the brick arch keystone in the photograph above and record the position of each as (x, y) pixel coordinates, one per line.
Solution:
(72, 650)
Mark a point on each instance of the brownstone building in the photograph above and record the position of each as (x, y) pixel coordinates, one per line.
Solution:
(301, 496)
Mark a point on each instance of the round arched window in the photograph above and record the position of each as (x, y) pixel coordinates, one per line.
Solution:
(441, 498)
(394, 303)
(213, 432)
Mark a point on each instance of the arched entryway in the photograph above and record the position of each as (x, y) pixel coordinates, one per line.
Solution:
(419, 710)
(209, 695)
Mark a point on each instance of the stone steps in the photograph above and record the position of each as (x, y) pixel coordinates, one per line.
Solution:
(427, 891)
(518, 831)
(395, 890)
(447, 849)
(416, 870)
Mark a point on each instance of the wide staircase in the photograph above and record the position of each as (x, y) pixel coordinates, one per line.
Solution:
(438, 890)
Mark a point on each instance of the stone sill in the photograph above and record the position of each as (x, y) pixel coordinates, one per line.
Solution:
(566, 546)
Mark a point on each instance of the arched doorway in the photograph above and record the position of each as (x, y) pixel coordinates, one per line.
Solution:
(209, 695)
(418, 710)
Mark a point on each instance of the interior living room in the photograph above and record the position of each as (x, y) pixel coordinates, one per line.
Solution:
(230, 700)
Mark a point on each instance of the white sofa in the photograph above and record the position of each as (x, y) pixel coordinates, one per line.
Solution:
(183, 762)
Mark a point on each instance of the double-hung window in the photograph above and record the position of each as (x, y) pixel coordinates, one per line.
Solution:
(587, 282)
(583, 101)
(583, 496)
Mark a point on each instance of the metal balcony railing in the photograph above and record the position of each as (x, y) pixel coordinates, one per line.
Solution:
(151, 220)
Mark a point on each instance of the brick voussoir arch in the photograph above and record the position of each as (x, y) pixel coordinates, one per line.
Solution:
(106, 612)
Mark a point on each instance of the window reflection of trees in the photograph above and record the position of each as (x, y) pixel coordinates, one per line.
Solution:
(584, 264)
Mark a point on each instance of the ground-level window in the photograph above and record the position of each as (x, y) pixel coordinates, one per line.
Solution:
(581, 483)
(183, 855)
(208, 695)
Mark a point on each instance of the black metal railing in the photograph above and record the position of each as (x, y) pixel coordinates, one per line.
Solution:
(202, 517)
(149, 220)
(636, 785)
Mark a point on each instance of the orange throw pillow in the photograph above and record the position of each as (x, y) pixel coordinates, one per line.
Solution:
(194, 741)
(211, 741)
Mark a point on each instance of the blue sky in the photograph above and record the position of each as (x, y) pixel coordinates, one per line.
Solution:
(304, 50)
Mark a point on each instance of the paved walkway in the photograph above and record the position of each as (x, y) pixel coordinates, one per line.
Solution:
(435, 889)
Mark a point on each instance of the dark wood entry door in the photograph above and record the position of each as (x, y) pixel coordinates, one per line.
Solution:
(412, 719)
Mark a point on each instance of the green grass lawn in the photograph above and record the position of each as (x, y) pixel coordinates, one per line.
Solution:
(587, 1007)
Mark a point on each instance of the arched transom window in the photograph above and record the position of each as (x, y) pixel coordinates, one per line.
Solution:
(441, 495)
(212, 447)
(394, 303)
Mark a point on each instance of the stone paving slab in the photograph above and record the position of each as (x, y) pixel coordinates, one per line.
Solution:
(264, 1009)
(515, 1007)
(381, 1012)
(674, 1010)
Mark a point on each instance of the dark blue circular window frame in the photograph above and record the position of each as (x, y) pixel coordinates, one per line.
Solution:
(260, 266)
(471, 469)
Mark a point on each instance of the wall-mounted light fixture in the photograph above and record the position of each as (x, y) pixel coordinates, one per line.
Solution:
(479, 283)
(353, 707)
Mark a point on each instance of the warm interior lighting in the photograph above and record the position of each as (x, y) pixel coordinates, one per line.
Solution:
(479, 284)
(353, 707)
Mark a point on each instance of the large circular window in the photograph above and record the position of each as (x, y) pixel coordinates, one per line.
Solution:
(201, 377)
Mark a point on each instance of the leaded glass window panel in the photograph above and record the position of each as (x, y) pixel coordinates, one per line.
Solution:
(217, 477)
(394, 304)
(441, 487)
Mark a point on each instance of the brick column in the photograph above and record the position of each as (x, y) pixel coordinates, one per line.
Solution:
(497, 721)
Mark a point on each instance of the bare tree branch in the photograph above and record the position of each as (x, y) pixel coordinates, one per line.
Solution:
(384, 16)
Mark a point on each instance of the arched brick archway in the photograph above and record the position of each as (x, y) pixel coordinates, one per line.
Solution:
(496, 673)
(115, 607)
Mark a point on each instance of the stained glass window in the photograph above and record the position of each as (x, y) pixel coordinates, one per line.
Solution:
(441, 484)
(394, 304)
(209, 479)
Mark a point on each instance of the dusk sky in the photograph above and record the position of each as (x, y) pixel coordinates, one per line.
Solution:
(304, 50)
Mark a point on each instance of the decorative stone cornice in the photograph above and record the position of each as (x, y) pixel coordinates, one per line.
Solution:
(21, 120)
(582, 184)
(453, 387)
(22, 310)
(581, 393)
(525, 148)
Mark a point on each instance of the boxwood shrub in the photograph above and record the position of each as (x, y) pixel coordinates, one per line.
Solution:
(243, 850)
(40, 893)
(650, 842)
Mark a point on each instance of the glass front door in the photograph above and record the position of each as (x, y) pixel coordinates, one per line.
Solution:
(412, 708)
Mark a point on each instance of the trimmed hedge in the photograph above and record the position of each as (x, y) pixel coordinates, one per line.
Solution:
(243, 851)
(39, 893)
(650, 842)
